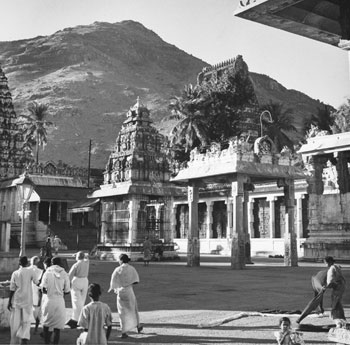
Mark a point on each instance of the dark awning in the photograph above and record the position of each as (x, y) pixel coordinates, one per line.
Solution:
(86, 205)
(53, 193)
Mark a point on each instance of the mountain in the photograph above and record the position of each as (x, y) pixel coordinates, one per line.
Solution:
(91, 75)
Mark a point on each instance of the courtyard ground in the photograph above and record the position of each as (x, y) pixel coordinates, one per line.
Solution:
(174, 299)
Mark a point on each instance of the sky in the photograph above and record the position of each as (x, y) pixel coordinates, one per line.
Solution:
(207, 29)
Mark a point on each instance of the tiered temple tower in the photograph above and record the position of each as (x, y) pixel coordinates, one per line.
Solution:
(12, 158)
(249, 124)
(137, 197)
(139, 151)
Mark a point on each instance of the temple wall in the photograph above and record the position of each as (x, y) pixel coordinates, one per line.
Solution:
(333, 208)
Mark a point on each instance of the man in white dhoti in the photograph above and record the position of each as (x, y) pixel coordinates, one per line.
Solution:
(78, 276)
(34, 261)
(55, 284)
(122, 280)
(21, 302)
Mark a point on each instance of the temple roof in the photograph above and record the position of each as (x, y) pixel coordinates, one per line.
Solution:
(326, 144)
(315, 19)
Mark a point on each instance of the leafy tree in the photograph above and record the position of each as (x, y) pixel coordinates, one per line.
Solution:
(323, 120)
(341, 118)
(280, 127)
(227, 95)
(34, 126)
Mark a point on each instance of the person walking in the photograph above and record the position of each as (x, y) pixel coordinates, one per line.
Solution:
(56, 244)
(20, 302)
(147, 251)
(122, 280)
(55, 283)
(93, 318)
(336, 282)
(78, 276)
(37, 294)
(48, 248)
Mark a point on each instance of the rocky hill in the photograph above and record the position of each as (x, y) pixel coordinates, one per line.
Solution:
(90, 76)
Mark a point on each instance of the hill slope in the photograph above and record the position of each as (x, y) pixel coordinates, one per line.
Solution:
(90, 76)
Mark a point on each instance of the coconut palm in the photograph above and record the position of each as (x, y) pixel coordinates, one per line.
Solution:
(34, 126)
(281, 126)
(191, 128)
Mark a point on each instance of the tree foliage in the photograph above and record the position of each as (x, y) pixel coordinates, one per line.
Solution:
(281, 127)
(209, 111)
(341, 119)
(34, 127)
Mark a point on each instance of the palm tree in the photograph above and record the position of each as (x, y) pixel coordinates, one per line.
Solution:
(191, 128)
(323, 120)
(280, 127)
(34, 126)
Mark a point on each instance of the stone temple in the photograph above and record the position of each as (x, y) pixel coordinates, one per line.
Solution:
(136, 197)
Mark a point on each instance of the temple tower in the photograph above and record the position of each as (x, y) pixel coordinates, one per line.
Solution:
(12, 158)
(136, 197)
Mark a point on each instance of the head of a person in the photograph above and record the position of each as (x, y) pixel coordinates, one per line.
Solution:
(80, 256)
(23, 261)
(48, 239)
(56, 236)
(34, 261)
(57, 261)
(329, 260)
(94, 291)
(146, 238)
(123, 258)
(284, 324)
(47, 262)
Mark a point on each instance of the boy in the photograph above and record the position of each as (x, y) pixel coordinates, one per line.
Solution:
(94, 316)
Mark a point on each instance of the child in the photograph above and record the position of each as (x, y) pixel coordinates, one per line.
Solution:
(286, 336)
(93, 317)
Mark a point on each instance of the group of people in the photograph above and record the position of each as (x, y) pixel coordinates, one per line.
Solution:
(332, 279)
(39, 293)
(54, 243)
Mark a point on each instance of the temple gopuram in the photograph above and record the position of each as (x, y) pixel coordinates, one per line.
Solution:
(136, 197)
(12, 157)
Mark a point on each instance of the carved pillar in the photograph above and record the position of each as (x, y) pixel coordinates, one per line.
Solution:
(272, 224)
(132, 221)
(238, 238)
(299, 229)
(193, 253)
(209, 219)
(290, 243)
(315, 189)
(343, 172)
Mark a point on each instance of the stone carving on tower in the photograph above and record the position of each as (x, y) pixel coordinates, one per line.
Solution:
(12, 156)
(138, 152)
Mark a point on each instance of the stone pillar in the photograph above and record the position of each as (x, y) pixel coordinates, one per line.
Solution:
(247, 246)
(250, 216)
(173, 208)
(49, 222)
(209, 219)
(132, 223)
(290, 243)
(299, 229)
(193, 252)
(237, 246)
(5, 236)
(229, 227)
(272, 224)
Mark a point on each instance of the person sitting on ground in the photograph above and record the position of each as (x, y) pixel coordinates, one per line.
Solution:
(93, 317)
(286, 336)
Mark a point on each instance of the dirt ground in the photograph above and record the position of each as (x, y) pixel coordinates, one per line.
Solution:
(174, 300)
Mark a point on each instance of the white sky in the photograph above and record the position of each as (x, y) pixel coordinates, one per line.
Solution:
(206, 29)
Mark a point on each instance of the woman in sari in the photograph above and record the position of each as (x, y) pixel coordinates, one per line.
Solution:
(122, 281)
(336, 282)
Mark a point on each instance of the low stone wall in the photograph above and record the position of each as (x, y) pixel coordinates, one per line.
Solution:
(4, 312)
(8, 263)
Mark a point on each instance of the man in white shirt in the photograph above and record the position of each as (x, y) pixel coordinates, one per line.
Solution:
(37, 294)
(21, 302)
